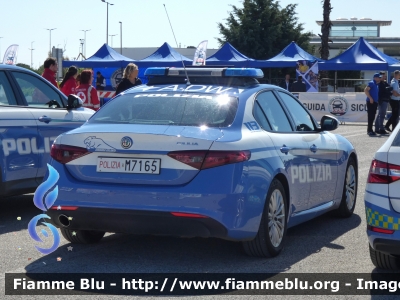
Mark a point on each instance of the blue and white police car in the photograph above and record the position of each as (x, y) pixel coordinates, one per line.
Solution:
(382, 204)
(206, 152)
(32, 114)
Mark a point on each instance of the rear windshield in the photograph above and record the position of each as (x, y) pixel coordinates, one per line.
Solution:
(169, 109)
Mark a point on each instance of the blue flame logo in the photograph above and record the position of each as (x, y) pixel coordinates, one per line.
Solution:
(44, 198)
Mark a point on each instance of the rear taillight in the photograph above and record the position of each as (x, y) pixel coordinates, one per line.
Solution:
(382, 172)
(64, 153)
(187, 215)
(210, 159)
(380, 230)
(220, 158)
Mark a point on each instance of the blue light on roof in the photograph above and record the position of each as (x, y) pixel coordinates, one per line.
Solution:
(248, 72)
(217, 72)
(155, 72)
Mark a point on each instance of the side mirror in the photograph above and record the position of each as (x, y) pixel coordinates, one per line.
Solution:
(329, 123)
(74, 102)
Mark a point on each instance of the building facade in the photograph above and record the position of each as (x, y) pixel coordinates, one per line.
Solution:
(345, 32)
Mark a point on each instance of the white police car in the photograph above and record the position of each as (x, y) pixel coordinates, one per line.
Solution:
(205, 152)
(382, 204)
(32, 114)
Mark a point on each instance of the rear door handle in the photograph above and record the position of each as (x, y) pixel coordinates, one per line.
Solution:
(45, 119)
(285, 149)
(314, 148)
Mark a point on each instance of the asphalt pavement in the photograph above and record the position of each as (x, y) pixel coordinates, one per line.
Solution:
(323, 245)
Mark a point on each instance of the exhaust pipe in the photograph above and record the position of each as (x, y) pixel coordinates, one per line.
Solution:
(63, 219)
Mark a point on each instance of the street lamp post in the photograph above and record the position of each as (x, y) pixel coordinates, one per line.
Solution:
(82, 43)
(31, 48)
(120, 33)
(85, 40)
(112, 38)
(50, 29)
(108, 3)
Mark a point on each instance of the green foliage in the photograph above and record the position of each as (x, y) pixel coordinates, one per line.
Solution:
(261, 29)
(24, 66)
(38, 71)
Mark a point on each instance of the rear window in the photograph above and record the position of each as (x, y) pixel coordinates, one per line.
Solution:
(169, 109)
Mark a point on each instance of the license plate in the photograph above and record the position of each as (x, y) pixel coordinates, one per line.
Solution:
(129, 165)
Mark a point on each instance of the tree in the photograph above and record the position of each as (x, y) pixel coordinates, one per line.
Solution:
(325, 30)
(24, 66)
(261, 29)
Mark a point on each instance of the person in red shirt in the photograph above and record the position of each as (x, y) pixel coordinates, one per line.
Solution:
(68, 85)
(50, 69)
(87, 92)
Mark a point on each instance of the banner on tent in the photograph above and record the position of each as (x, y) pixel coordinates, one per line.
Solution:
(349, 107)
(309, 71)
(200, 54)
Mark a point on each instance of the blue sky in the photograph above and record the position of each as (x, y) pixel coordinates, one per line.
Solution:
(145, 23)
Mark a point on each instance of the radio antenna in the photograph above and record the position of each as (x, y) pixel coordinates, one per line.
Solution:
(187, 77)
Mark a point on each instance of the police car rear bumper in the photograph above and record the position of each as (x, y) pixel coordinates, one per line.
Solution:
(387, 246)
(138, 222)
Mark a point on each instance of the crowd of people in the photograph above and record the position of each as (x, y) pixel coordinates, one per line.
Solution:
(81, 84)
(379, 92)
(379, 95)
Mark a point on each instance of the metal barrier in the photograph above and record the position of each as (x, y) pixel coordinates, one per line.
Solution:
(104, 96)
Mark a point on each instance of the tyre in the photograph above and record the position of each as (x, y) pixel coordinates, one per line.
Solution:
(349, 196)
(384, 261)
(272, 231)
(82, 236)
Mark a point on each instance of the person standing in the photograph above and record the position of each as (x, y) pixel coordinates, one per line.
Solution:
(383, 101)
(372, 92)
(130, 78)
(50, 69)
(68, 84)
(87, 92)
(394, 102)
(299, 86)
(286, 83)
(100, 82)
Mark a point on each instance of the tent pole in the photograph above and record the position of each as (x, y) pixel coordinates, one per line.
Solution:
(335, 87)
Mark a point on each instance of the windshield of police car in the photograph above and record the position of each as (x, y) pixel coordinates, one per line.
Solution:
(169, 109)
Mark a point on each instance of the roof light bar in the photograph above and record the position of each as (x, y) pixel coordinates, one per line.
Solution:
(217, 72)
(156, 72)
(244, 72)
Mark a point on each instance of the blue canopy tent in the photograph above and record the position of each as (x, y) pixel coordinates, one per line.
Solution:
(360, 56)
(227, 55)
(104, 57)
(107, 61)
(165, 56)
(288, 57)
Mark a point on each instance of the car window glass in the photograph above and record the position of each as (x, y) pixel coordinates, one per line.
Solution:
(396, 141)
(300, 116)
(274, 112)
(7, 96)
(37, 93)
(260, 117)
(171, 109)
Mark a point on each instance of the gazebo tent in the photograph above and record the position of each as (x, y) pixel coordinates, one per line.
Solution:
(360, 56)
(227, 55)
(105, 57)
(165, 56)
(289, 56)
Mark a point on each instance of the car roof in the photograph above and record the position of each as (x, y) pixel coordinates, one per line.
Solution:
(16, 68)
